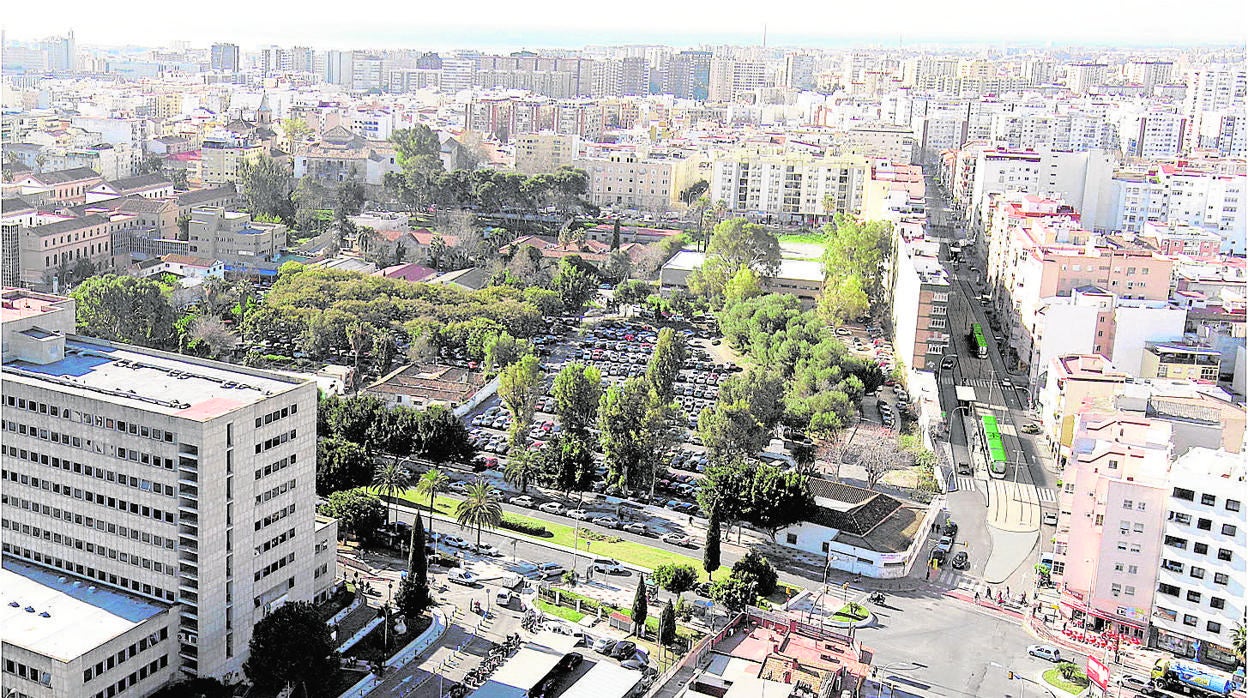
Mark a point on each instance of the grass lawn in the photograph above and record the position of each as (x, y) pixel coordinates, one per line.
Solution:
(628, 551)
(809, 238)
(559, 611)
(847, 615)
(1053, 677)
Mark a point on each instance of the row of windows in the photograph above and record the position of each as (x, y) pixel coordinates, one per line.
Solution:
(27, 672)
(275, 492)
(275, 467)
(1206, 499)
(275, 441)
(87, 418)
(274, 566)
(90, 471)
(275, 517)
(97, 524)
(118, 452)
(79, 544)
(276, 415)
(91, 572)
(128, 653)
(110, 502)
(1193, 596)
(269, 545)
(146, 670)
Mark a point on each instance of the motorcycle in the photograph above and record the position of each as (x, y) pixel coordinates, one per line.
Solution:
(876, 598)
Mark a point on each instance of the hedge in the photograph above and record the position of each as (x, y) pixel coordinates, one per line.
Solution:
(525, 527)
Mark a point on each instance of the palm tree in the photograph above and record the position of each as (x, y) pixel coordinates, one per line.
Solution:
(1238, 641)
(481, 508)
(431, 483)
(521, 468)
(392, 480)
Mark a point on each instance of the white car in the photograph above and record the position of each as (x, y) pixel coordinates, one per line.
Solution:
(549, 569)
(523, 500)
(1132, 682)
(552, 508)
(606, 521)
(606, 564)
(456, 542)
(487, 549)
(579, 514)
(1052, 654)
(463, 577)
(679, 539)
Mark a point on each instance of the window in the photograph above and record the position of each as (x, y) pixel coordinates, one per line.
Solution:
(1204, 524)
(1128, 504)
(1221, 578)
(1217, 602)
(1181, 518)
(1189, 619)
(1224, 554)
(1168, 589)
(1228, 529)
(1200, 548)
(1213, 627)
(1193, 596)
(1138, 528)
(1208, 499)
(1180, 493)
(1197, 572)
(1180, 543)
(791, 538)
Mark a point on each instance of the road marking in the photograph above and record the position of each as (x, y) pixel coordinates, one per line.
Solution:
(1046, 494)
(965, 482)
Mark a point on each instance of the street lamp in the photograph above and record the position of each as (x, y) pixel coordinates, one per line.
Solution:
(386, 632)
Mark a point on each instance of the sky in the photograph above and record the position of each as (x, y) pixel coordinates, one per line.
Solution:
(512, 24)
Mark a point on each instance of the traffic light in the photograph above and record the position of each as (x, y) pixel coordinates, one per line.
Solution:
(1010, 675)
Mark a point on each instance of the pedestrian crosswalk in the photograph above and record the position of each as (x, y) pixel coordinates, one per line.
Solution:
(1046, 494)
(977, 382)
(964, 482)
(958, 579)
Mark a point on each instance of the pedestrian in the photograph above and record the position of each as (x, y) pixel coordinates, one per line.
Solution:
(691, 519)
(1007, 591)
(976, 597)
(929, 573)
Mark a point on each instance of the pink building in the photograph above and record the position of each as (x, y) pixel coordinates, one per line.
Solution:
(1113, 510)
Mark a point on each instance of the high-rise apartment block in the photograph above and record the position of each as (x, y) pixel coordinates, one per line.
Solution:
(225, 57)
(180, 491)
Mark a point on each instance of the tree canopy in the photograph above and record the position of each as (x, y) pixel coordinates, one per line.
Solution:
(360, 513)
(292, 645)
(341, 465)
(267, 185)
(578, 390)
(124, 309)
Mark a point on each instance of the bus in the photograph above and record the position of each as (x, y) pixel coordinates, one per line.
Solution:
(978, 343)
(994, 450)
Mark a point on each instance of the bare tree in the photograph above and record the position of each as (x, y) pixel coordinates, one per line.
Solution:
(878, 457)
(213, 333)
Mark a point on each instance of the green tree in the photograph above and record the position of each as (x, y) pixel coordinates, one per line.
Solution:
(295, 131)
(341, 465)
(670, 352)
(413, 596)
(843, 299)
(292, 645)
(745, 415)
(633, 432)
(419, 155)
(1238, 642)
(124, 309)
(710, 550)
(632, 292)
(565, 463)
(574, 285)
(741, 243)
(267, 185)
(503, 350)
(640, 607)
(690, 195)
(667, 624)
(359, 512)
(757, 568)
(523, 468)
(743, 284)
(519, 386)
(392, 479)
(432, 483)
(577, 391)
(735, 593)
(857, 248)
(480, 508)
(778, 499)
(674, 577)
(618, 267)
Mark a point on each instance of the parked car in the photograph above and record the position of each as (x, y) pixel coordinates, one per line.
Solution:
(579, 514)
(504, 597)
(1049, 518)
(961, 560)
(463, 577)
(1133, 682)
(606, 564)
(549, 569)
(487, 549)
(606, 521)
(603, 645)
(552, 508)
(456, 542)
(634, 664)
(679, 539)
(522, 501)
(1048, 652)
(637, 529)
(569, 662)
(623, 649)
(965, 469)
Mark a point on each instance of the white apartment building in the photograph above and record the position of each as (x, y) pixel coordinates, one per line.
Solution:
(1175, 195)
(1074, 177)
(233, 237)
(1201, 584)
(1153, 133)
(791, 186)
(885, 141)
(733, 78)
(921, 332)
(184, 483)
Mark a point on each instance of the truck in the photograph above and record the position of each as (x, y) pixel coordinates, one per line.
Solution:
(1192, 678)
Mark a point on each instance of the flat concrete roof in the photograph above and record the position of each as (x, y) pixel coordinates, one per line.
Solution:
(154, 381)
(79, 618)
(796, 269)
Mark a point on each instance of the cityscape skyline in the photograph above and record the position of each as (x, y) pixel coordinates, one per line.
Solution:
(565, 26)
